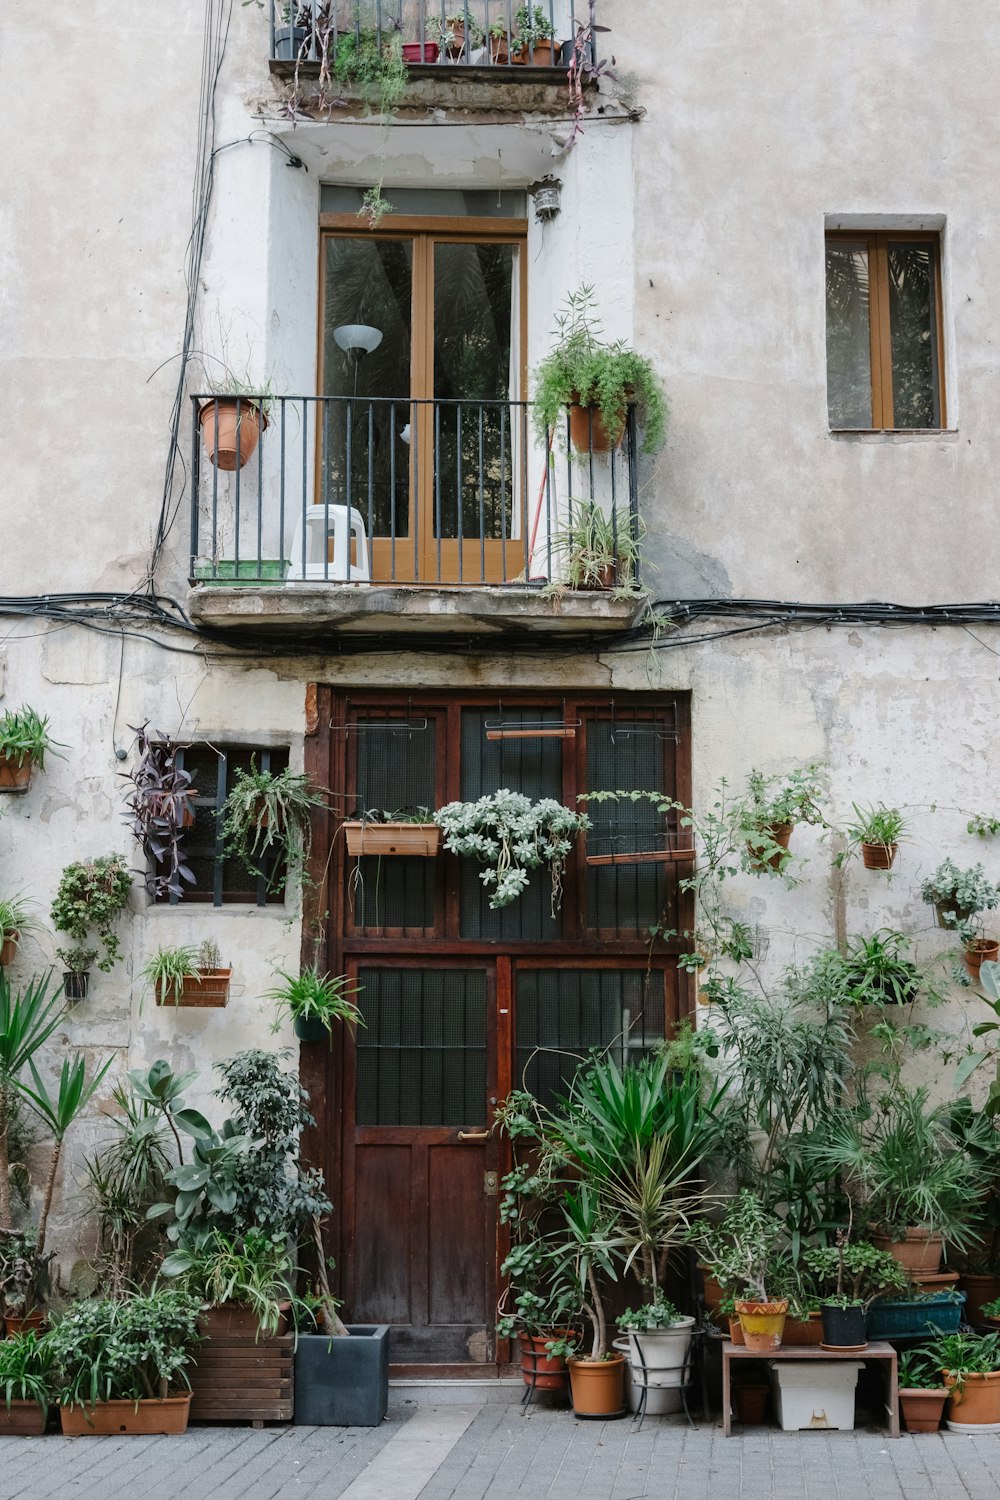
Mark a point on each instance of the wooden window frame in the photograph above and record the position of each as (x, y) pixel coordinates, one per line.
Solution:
(880, 330)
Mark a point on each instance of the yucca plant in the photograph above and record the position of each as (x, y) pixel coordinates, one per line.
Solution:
(27, 1019)
(58, 1112)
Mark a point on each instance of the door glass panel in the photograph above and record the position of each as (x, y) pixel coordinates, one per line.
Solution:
(533, 767)
(421, 1054)
(913, 325)
(476, 356)
(365, 457)
(848, 336)
(563, 1013)
(395, 775)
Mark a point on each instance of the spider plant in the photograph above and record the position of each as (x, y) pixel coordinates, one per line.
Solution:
(267, 821)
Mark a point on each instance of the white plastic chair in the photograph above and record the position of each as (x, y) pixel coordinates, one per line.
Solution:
(322, 522)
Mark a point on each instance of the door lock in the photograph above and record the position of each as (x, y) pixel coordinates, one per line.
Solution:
(490, 1184)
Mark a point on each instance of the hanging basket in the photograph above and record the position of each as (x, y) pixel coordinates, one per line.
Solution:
(231, 430)
(411, 840)
(209, 992)
(15, 773)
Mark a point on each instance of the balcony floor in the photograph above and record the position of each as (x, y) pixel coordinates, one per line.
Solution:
(319, 608)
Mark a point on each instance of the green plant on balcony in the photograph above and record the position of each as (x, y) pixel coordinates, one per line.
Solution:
(531, 25)
(370, 62)
(583, 370)
(598, 551)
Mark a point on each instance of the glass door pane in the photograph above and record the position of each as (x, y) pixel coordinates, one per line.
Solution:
(364, 437)
(848, 335)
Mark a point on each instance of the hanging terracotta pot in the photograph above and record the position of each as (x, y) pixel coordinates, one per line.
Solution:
(8, 948)
(781, 833)
(231, 430)
(878, 856)
(15, 774)
(587, 431)
(209, 992)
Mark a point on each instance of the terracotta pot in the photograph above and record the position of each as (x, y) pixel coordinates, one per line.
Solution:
(750, 1400)
(227, 1320)
(712, 1289)
(978, 1401)
(410, 840)
(979, 951)
(21, 1419)
(540, 1370)
(781, 833)
(736, 1331)
(210, 992)
(921, 1410)
(8, 948)
(149, 1418)
(919, 1251)
(15, 776)
(878, 856)
(587, 431)
(543, 55)
(598, 1386)
(605, 579)
(805, 1332)
(28, 1323)
(500, 50)
(231, 440)
(456, 46)
(978, 1289)
(933, 1281)
(763, 1324)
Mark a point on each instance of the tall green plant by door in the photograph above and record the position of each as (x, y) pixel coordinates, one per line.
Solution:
(28, 1018)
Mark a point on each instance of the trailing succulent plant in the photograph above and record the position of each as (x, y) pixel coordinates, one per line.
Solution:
(511, 835)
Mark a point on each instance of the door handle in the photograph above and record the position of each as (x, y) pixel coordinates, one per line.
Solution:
(473, 1135)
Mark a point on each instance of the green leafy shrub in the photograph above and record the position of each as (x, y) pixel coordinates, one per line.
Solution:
(91, 897)
(132, 1350)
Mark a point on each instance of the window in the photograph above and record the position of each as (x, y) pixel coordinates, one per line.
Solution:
(883, 331)
(219, 877)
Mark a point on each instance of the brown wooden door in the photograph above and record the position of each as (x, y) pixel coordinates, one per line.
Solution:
(420, 1161)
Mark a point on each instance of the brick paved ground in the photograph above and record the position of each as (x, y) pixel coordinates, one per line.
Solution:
(500, 1455)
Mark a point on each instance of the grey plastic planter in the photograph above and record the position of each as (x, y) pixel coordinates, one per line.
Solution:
(342, 1382)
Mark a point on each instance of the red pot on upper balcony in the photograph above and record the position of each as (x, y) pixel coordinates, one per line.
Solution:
(231, 429)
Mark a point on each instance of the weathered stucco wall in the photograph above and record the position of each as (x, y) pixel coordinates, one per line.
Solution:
(702, 228)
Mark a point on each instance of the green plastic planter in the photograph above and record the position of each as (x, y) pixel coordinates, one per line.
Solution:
(248, 570)
(898, 1317)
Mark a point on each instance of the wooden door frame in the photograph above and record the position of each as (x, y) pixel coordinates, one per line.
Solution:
(425, 233)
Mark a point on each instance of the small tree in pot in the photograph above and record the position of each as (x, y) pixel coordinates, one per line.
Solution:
(745, 1253)
(849, 1277)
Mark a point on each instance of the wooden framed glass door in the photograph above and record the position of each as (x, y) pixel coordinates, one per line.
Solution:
(427, 434)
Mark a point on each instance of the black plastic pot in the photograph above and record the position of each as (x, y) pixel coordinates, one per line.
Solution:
(342, 1382)
(845, 1327)
(75, 985)
(288, 41)
(310, 1031)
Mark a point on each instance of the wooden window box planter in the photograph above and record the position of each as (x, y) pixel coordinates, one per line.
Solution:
(21, 1419)
(409, 840)
(151, 1418)
(240, 1378)
(210, 992)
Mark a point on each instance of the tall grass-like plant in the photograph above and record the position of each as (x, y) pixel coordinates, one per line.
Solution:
(253, 1270)
(27, 1019)
(311, 996)
(26, 1369)
(24, 735)
(121, 1182)
(58, 1111)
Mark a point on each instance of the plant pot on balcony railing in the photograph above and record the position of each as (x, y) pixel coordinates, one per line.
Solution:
(290, 43)
(231, 427)
(224, 571)
(541, 54)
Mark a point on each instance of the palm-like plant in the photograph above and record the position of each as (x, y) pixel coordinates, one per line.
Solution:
(27, 1019)
(58, 1113)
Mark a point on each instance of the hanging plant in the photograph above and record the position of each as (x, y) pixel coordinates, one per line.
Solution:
(161, 810)
(511, 835)
(91, 897)
(267, 821)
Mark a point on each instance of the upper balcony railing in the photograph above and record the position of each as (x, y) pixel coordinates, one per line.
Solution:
(450, 493)
(474, 33)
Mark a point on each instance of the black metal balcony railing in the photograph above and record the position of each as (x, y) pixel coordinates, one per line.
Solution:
(362, 491)
(477, 33)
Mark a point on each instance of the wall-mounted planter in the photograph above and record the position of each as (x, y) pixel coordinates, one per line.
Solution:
(308, 1029)
(210, 992)
(231, 430)
(781, 833)
(8, 948)
(151, 1418)
(412, 840)
(644, 857)
(75, 986)
(342, 1382)
(15, 774)
(878, 856)
(978, 952)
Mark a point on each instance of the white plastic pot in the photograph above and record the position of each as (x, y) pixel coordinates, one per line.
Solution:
(663, 1353)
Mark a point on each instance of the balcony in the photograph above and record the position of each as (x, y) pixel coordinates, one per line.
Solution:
(426, 53)
(371, 514)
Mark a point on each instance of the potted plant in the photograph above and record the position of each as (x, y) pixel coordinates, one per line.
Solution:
(849, 1277)
(244, 1283)
(28, 1018)
(77, 963)
(744, 1251)
(771, 808)
(877, 972)
(267, 821)
(596, 382)
(292, 35)
(922, 1393)
(538, 1320)
(91, 897)
(189, 976)
(597, 1377)
(24, 743)
(455, 32)
(161, 810)
(905, 1172)
(659, 1337)
(26, 1380)
(970, 1364)
(15, 919)
(512, 835)
(958, 895)
(232, 420)
(597, 551)
(500, 41)
(876, 830)
(121, 1366)
(314, 1002)
(404, 834)
(534, 35)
